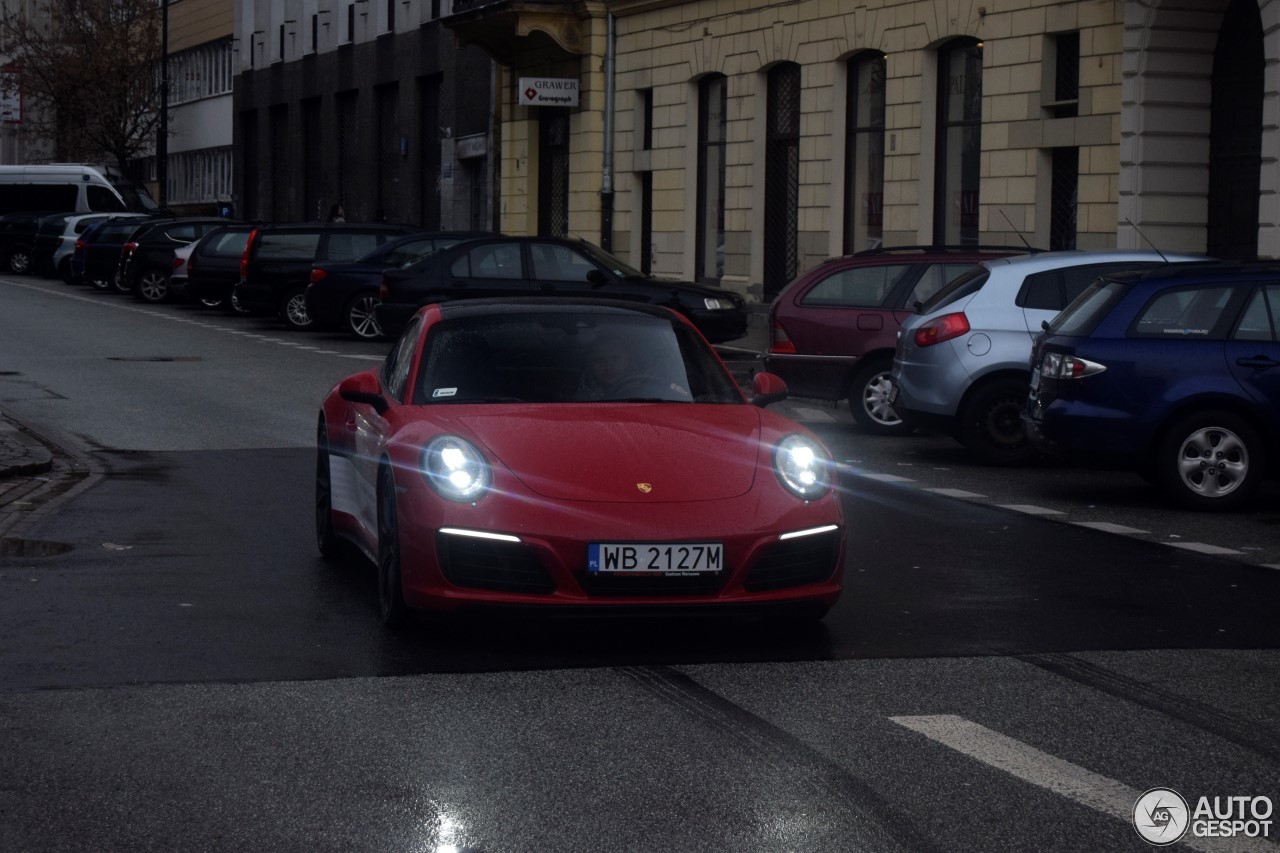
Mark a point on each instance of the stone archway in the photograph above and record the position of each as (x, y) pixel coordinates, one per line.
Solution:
(1167, 125)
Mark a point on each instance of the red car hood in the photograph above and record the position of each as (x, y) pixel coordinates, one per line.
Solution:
(627, 452)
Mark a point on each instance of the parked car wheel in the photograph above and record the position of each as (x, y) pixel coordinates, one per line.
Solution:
(991, 423)
(869, 400)
(153, 286)
(100, 284)
(327, 541)
(232, 306)
(120, 285)
(293, 310)
(1211, 460)
(19, 261)
(360, 319)
(391, 605)
(64, 270)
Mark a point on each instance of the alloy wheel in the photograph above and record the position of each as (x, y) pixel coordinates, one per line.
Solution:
(361, 318)
(875, 400)
(20, 262)
(1213, 462)
(153, 286)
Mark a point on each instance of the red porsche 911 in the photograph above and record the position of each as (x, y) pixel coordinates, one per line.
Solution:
(575, 453)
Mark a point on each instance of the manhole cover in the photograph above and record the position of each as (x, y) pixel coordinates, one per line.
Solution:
(153, 358)
(12, 547)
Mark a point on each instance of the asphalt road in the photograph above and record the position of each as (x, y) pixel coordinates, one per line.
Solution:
(188, 675)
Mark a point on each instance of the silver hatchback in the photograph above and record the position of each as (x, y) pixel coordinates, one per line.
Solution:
(962, 362)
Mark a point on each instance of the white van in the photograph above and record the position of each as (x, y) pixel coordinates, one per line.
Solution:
(70, 188)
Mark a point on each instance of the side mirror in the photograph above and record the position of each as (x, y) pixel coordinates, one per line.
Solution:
(363, 388)
(597, 277)
(767, 388)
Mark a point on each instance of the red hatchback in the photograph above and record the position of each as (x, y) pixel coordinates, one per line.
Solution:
(832, 331)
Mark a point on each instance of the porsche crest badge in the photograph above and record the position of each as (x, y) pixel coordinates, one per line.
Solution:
(645, 487)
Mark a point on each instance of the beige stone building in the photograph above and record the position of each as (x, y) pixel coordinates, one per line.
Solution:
(749, 140)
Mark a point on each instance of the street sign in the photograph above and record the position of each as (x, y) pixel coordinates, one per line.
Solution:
(548, 92)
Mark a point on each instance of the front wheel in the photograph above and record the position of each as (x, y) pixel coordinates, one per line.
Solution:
(991, 424)
(293, 310)
(153, 286)
(361, 320)
(392, 608)
(1211, 461)
(869, 400)
(19, 261)
(120, 284)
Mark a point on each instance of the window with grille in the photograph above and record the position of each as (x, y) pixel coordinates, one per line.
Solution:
(864, 154)
(959, 144)
(200, 177)
(1065, 101)
(712, 133)
(1063, 198)
(782, 178)
(202, 72)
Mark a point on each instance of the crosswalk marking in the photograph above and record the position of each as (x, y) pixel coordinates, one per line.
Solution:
(1031, 509)
(885, 478)
(806, 414)
(1202, 548)
(955, 493)
(1029, 764)
(1107, 527)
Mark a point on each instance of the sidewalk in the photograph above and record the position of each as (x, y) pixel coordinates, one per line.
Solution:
(20, 454)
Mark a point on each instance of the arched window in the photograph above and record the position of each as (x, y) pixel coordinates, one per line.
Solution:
(712, 132)
(959, 143)
(782, 178)
(864, 153)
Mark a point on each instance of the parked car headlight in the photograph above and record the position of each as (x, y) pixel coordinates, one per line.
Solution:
(717, 304)
(455, 468)
(803, 467)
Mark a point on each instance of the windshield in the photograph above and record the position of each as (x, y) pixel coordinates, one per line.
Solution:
(135, 196)
(1086, 311)
(604, 259)
(570, 357)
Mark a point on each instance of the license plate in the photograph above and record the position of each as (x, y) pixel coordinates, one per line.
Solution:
(892, 396)
(668, 558)
(1035, 380)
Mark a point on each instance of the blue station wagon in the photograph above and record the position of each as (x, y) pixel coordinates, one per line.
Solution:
(1173, 372)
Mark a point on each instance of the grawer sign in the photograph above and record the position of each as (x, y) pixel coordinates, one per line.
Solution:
(548, 92)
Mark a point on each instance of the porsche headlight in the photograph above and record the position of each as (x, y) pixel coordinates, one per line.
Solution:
(717, 304)
(455, 468)
(803, 467)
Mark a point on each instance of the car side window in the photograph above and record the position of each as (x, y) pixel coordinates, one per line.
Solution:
(492, 260)
(101, 198)
(856, 287)
(407, 253)
(181, 233)
(559, 263)
(287, 246)
(231, 243)
(395, 370)
(1259, 322)
(935, 277)
(1191, 312)
(347, 246)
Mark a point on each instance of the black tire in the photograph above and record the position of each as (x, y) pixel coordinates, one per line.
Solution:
(100, 284)
(64, 271)
(118, 282)
(233, 307)
(1211, 460)
(359, 319)
(293, 310)
(212, 302)
(19, 261)
(327, 541)
(392, 608)
(868, 400)
(153, 286)
(991, 423)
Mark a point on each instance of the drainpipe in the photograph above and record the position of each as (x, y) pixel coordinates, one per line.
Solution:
(606, 182)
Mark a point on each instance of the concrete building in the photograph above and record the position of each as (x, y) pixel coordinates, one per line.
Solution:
(365, 103)
(743, 141)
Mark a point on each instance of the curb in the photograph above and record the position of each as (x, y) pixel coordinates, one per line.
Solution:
(21, 454)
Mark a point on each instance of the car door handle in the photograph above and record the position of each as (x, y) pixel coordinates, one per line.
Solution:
(459, 284)
(546, 285)
(1258, 362)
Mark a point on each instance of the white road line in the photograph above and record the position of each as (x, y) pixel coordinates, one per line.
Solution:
(367, 357)
(885, 478)
(1031, 509)
(1271, 566)
(807, 414)
(1203, 548)
(1108, 527)
(1046, 771)
(955, 493)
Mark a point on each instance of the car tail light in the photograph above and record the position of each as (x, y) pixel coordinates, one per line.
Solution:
(244, 259)
(177, 262)
(79, 245)
(317, 275)
(780, 341)
(1059, 366)
(383, 292)
(129, 247)
(941, 329)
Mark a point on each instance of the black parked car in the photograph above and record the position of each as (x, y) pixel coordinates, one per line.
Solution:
(213, 267)
(17, 240)
(549, 266)
(96, 260)
(277, 261)
(344, 295)
(147, 259)
(48, 236)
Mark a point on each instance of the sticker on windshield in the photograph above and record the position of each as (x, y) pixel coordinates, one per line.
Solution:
(444, 392)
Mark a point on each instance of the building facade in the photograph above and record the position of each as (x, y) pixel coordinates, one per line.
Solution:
(370, 105)
(743, 141)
